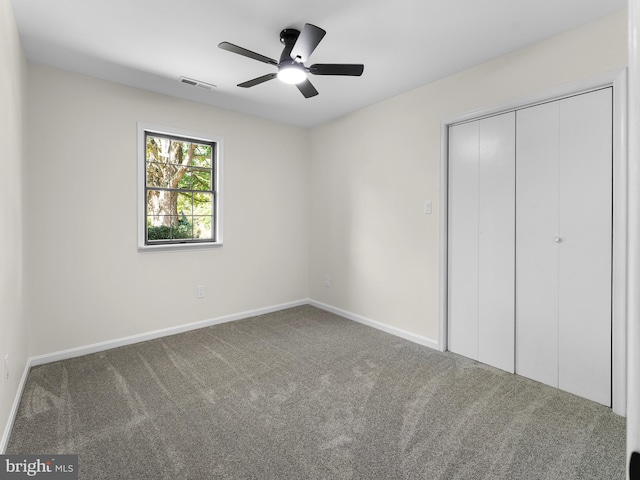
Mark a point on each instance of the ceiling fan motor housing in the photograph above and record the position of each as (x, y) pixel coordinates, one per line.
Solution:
(288, 38)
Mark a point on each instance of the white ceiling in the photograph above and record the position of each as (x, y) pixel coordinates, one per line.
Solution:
(402, 43)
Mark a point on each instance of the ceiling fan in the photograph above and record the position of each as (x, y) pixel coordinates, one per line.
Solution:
(298, 46)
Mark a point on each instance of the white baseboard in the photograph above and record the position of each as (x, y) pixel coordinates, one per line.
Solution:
(424, 341)
(14, 408)
(165, 332)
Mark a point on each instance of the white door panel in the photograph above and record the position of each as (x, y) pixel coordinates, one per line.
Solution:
(481, 247)
(585, 215)
(463, 239)
(563, 252)
(496, 262)
(536, 249)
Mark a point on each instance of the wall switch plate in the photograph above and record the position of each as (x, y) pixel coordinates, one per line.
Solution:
(6, 367)
(428, 207)
(200, 291)
(327, 281)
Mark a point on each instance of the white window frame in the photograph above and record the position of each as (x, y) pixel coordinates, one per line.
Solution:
(143, 129)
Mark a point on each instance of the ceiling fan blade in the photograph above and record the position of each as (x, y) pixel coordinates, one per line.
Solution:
(307, 89)
(258, 81)
(230, 47)
(307, 42)
(354, 70)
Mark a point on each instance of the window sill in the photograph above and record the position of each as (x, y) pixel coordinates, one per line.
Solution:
(178, 247)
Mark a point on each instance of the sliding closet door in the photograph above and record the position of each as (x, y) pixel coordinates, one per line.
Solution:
(564, 215)
(481, 232)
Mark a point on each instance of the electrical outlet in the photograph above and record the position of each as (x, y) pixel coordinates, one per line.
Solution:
(200, 291)
(6, 367)
(327, 280)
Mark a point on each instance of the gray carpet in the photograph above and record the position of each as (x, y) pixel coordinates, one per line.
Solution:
(305, 394)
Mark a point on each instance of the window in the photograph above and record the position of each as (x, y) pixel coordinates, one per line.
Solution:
(179, 189)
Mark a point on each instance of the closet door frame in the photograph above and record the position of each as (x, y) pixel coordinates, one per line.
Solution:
(618, 80)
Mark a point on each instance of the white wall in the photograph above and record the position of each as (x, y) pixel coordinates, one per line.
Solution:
(86, 281)
(372, 171)
(13, 328)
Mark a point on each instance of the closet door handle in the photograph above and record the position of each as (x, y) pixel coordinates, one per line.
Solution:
(557, 239)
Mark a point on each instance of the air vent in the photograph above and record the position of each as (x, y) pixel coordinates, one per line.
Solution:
(197, 83)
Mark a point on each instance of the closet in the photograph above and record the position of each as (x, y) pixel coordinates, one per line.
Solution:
(530, 242)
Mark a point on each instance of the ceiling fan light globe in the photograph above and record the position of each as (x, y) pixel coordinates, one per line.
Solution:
(292, 74)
